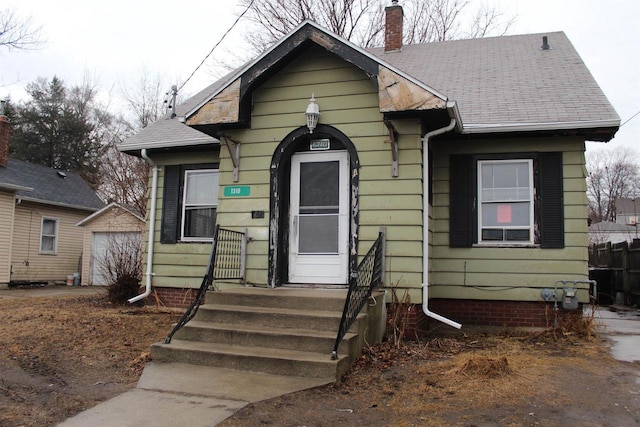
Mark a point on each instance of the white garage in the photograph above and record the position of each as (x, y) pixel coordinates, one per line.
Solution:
(108, 233)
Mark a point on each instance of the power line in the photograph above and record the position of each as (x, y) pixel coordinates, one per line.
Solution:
(629, 119)
(216, 45)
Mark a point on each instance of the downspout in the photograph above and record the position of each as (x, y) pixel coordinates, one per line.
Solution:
(425, 225)
(152, 222)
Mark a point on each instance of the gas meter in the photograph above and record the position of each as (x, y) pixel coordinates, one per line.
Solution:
(570, 298)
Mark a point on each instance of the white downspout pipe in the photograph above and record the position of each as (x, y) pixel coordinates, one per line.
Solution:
(152, 223)
(425, 225)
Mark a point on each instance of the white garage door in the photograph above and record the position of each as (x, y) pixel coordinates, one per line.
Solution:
(101, 245)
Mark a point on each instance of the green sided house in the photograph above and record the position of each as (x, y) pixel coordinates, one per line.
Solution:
(466, 156)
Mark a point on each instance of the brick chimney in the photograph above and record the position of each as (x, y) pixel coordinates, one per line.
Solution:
(393, 27)
(4, 136)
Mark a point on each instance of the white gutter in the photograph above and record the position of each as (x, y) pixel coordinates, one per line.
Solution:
(152, 223)
(425, 225)
(529, 127)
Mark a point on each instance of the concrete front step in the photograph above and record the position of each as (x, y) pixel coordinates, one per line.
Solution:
(272, 317)
(277, 331)
(255, 359)
(259, 336)
(300, 298)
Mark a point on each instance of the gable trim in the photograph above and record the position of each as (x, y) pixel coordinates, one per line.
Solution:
(319, 35)
(107, 209)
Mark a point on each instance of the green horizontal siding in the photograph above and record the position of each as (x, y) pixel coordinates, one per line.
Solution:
(508, 272)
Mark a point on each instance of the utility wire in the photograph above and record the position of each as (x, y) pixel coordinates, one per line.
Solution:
(216, 45)
(629, 119)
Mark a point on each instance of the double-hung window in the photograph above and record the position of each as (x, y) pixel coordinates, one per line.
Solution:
(49, 236)
(505, 200)
(199, 204)
(509, 199)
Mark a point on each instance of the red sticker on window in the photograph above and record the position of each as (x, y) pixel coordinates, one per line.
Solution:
(504, 214)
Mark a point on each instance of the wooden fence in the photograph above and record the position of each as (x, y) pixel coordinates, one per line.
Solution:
(616, 268)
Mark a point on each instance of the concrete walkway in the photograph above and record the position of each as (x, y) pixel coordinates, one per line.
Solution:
(621, 326)
(51, 291)
(178, 394)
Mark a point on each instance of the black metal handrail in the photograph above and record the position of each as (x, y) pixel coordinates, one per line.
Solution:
(226, 261)
(368, 277)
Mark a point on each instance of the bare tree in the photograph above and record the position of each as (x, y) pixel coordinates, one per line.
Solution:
(17, 32)
(121, 266)
(124, 179)
(612, 174)
(362, 21)
(146, 98)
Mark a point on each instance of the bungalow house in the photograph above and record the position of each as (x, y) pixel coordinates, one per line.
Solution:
(39, 209)
(467, 154)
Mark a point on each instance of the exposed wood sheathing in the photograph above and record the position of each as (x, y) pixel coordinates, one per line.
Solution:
(396, 93)
(223, 108)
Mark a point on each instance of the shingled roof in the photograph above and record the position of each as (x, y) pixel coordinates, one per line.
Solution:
(496, 84)
(41, 184)
(510, 82)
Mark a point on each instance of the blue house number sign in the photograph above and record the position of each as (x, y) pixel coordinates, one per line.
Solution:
(237, 191)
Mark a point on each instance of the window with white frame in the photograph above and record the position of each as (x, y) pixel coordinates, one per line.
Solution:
(505, 201)
(49, 236)
(199, 204)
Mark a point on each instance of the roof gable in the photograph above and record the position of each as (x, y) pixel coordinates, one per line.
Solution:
(112, 208)
(230, 103)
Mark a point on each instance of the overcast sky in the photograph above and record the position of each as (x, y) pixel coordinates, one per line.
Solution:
(114, 41)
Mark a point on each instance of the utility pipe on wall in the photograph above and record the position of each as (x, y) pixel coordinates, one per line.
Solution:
(425, 225)
(152, 222)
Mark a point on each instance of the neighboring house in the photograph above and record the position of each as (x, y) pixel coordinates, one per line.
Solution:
(470, 153)
(627, 211)
(113, 228)
(614, 232)
(39, 209)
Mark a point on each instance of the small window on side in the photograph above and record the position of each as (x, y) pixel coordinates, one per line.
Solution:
(49, 236)
(199, 205)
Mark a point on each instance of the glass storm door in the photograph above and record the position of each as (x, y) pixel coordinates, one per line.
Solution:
(318, 218)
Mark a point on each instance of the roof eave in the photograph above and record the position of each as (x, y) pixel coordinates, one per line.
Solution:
(57, 204)
(126, 148)
(478, 128)
(14, 187)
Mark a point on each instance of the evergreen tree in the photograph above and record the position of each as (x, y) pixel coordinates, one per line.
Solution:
(61, 128)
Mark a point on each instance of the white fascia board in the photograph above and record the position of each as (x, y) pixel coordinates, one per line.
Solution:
(524, 127)
(106, 209)
(58, 204)
(167, 144)
(14, 187)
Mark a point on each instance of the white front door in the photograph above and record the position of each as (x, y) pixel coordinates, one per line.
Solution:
(319, 218)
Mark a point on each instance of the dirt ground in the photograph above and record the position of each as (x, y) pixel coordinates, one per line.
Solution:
(61, 356)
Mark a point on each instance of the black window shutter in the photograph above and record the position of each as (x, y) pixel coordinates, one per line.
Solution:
(170, 205)
(551, 207)
(461, 202)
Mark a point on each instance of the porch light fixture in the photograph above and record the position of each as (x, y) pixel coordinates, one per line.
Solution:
(312, 113)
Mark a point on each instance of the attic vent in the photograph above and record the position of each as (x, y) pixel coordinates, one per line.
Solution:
(61, 174)
(545, 44)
